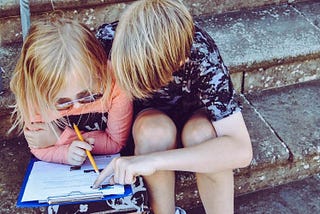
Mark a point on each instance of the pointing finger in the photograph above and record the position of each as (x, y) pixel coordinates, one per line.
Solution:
(105, 173)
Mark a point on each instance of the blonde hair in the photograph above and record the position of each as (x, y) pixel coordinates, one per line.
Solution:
(54, 50)
(152, 38)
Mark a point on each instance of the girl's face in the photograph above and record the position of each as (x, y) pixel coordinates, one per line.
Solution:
(76, 93)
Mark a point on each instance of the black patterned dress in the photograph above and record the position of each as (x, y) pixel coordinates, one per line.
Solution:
(135, 202)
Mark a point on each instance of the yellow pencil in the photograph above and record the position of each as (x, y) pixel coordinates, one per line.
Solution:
(93, 163)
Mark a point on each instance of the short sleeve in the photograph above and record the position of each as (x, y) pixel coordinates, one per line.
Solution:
(214, 83)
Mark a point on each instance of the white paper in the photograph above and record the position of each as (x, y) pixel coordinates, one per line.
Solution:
(51, 180)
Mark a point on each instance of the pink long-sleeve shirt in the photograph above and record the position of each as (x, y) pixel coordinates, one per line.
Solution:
(108, 123)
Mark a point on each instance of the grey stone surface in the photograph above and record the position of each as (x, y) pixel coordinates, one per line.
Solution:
(14, 158)
(268, 47)
(310, 11)
(8, 56)
(10, 20)
(92, 16)
(262, 35)
(281, 75)
(8, 60)
(293, 113)
(293, 198)
(11, 7)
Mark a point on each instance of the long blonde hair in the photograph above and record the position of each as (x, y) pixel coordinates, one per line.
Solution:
(52, 50)
(152, 38)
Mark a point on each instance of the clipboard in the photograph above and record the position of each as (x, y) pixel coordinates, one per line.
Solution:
(72, 197)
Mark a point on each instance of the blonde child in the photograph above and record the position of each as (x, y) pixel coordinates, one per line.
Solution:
(183, 94)
(63, 78)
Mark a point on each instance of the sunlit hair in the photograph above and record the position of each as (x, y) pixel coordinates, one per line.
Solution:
(54, 50)
(152, 39)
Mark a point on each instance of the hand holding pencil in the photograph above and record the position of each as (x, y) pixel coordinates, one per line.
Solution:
(93, 163)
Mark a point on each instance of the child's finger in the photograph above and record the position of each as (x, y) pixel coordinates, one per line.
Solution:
(82, 145)
(90, 141)
(129, 178)
(77, 162)
(78, 158)
(121, 174)
(79, 152)
(106, 172)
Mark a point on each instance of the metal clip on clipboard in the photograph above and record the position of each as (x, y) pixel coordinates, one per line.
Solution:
(73, 197)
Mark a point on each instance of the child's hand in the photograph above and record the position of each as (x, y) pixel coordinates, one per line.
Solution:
(41, 135)
(77, 152)
(125, 169)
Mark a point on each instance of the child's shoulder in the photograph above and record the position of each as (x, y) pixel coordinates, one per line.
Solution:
(203, 39)
(204, 48)
(105, 34)
(107, 30)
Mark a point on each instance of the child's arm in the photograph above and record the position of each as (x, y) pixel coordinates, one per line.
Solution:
(118, 128)
(64, 150)
(72, 154)
(231, 149)
(55, 154)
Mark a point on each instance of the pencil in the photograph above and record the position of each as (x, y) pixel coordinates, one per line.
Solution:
(93, 163)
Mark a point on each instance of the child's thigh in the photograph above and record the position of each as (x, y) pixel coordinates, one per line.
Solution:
(197, 129)
(153, 131)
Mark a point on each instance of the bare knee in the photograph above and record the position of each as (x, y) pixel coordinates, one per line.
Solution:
(153, 131)
(197, 130)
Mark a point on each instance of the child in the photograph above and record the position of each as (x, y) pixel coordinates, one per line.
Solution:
(63, 78)
(184, 94)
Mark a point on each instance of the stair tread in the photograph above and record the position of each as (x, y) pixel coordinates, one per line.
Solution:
(265, 35)
(282, 122)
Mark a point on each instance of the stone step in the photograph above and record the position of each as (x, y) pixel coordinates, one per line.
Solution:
(95, 12)
(273, 54)
(296, 197)
(12, 7)
(268, 47)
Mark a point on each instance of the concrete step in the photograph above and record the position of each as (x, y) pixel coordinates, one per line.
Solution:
(268, 47)
(94, 12)
(273, 54)
(296, 197)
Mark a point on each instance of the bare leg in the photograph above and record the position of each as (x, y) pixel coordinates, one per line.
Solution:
(216, 189)
(154, 131)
